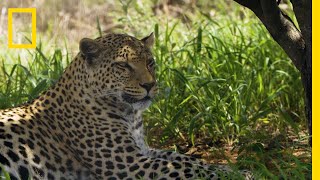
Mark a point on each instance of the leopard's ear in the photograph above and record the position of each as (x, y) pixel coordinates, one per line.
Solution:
(148, 41)
(90, 49)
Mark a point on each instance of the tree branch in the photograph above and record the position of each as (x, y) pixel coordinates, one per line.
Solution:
(302, 10)
(279, 26)
(252, 5)
(297, 45)
(298, 10)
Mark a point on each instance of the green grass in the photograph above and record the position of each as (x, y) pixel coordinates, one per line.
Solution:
(21, 83)
(222, 80)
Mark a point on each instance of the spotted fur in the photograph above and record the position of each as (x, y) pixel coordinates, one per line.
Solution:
(89, 124)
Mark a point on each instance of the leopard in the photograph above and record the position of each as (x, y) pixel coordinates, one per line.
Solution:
(88, 125)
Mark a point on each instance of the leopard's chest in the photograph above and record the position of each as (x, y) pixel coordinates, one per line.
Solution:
(137, 132)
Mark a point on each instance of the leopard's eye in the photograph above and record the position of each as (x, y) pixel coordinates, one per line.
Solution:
(124, 65)
(151, 64)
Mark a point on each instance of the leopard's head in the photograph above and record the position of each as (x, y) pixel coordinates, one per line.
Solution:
(121, 65)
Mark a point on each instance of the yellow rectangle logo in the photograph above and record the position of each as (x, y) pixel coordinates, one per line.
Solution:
(33, 27)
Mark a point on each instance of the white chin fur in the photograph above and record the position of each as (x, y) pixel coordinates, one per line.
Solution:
(141, 105)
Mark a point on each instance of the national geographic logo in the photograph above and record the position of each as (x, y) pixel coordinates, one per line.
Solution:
(11, 11)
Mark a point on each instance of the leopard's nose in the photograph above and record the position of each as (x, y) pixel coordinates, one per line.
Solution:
(147, 86)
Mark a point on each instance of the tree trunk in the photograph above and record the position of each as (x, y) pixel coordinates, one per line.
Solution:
(296, 43)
